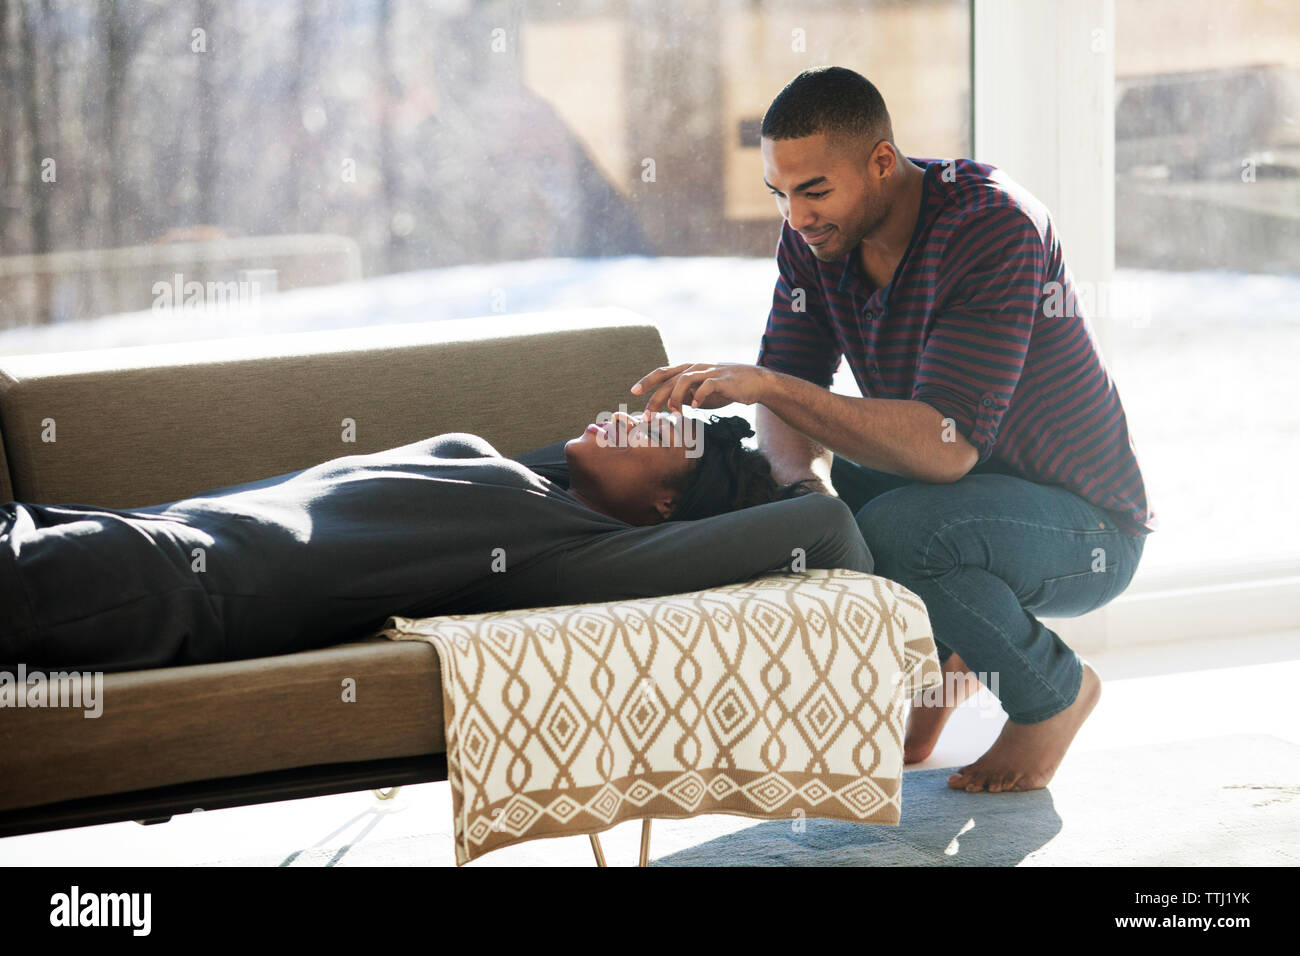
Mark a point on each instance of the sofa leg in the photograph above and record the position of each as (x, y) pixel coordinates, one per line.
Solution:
(385, 793)
(150, 821)
(595, 848)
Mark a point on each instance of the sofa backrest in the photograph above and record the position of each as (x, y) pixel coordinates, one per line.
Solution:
(145, 425)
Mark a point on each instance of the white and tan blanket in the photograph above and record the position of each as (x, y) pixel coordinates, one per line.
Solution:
(779, 698)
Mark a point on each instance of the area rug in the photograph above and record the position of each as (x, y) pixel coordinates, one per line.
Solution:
(1226, 801)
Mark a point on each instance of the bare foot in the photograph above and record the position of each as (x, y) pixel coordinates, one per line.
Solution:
(1025, 756)
(926, 719)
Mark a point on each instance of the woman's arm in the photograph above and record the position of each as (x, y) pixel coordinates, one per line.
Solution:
(690, 555)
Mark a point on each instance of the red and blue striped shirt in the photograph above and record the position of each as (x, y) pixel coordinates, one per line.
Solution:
(982, 322)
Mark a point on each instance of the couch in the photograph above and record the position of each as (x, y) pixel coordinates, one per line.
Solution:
(143, 425)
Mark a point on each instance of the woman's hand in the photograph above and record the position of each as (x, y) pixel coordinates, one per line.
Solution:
(702, 385)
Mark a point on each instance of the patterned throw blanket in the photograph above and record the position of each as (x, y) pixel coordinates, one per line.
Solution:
(779, 698)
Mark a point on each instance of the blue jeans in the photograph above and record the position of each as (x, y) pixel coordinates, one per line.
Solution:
(984, 553)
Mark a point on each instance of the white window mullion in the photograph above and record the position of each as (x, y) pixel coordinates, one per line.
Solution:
(1044, 111)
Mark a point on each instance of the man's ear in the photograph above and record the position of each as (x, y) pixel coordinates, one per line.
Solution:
(884, 160)
(665, 504)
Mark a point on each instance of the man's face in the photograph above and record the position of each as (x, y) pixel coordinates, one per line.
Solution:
(828, 195)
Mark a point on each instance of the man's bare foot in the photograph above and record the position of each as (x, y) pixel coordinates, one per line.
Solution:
(1025, 756)
(926, 720)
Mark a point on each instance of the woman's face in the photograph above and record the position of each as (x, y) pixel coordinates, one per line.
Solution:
(630, 468)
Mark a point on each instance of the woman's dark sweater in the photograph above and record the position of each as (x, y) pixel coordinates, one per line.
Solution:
(323, 555)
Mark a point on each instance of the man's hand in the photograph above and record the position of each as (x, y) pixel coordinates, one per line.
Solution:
(702, 385)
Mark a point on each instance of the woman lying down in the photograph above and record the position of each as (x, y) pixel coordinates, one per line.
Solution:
(631, 508)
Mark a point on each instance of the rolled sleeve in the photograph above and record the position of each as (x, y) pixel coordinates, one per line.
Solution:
(974, 354)
(977, 419)
(798, 340)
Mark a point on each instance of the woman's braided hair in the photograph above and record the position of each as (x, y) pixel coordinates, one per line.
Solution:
(730, 476)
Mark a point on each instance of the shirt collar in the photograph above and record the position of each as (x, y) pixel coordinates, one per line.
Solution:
(929, 184)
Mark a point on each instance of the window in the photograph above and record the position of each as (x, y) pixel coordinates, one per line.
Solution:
(200, 169)
(1207, 243)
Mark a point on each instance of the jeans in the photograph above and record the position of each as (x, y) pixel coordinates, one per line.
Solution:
(987, 552)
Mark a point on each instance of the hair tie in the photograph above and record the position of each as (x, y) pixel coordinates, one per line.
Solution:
(710, 492)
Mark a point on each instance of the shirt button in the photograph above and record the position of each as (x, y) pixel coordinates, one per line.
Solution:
(986, 402)
(873, 369)
(869, 316)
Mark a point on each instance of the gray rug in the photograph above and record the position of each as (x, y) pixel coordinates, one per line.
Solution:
(1222, 801)
(1228, 801)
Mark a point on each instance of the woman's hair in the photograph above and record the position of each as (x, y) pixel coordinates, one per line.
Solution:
(728, 476)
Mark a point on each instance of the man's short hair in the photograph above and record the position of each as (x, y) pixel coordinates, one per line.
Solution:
(844, 105)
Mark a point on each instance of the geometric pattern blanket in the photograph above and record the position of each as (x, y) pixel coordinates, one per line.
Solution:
(779, 697)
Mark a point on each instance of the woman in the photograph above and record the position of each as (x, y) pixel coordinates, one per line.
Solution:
(440, 526)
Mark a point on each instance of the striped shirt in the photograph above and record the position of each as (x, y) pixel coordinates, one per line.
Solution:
(981, 321)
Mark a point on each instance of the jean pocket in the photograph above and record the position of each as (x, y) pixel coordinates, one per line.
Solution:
(1070, 595)
(1129, 558)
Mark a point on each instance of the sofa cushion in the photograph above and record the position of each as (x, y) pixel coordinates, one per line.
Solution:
(210, 721)
(146, 425)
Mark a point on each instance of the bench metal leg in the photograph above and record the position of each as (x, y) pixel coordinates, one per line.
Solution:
(645, 845)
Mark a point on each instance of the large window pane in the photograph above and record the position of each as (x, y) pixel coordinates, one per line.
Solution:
(205, 168)
(1207, 195)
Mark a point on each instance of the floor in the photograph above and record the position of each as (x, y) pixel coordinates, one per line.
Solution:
(1152, 694)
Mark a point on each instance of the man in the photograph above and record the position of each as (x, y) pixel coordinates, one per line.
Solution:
(989, 462)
